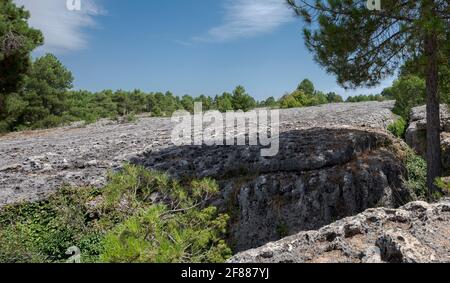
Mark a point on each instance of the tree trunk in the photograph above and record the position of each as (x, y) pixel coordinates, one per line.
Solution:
(434, 160)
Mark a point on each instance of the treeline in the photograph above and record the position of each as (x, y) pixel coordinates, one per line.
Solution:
(38, 94)
(306, 95)
(366, 98)
(45, 99)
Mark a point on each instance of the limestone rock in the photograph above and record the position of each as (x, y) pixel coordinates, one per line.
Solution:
(420, 235)
(35, 164)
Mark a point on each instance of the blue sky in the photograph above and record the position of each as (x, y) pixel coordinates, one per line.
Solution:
(185, 46)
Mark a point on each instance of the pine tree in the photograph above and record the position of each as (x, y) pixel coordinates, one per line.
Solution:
(17, 40)
(363, 46)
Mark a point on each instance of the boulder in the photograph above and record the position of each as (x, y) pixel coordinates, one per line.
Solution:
(415, 233)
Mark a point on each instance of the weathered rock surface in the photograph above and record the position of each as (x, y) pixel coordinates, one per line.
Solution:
(35, 164)
(416, 233)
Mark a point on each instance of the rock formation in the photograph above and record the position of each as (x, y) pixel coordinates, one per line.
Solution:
(416, 233)
(416, 135)
(320, 175)
(35, 164)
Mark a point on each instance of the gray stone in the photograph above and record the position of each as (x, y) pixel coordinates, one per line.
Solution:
(69, 151)
(416, 133)
(422, 240)
(398, 246)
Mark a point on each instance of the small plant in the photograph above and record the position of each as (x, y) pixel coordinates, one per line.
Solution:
(398, 128)
(131, 118)
(444, 186)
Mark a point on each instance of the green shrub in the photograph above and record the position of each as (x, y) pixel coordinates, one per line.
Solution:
(160, 235)
(140, 216)
(417, 175)
(398, 128)
(408, 92)
(180, 228)
(46, 229)
(444, 186)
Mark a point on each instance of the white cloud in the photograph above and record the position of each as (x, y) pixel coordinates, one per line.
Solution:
(249, 18)
(64, 30)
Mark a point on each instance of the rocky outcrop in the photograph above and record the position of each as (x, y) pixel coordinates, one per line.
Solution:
(334, 161)
(415, 233)
(416, 134)
(320, 175)
(35, 164)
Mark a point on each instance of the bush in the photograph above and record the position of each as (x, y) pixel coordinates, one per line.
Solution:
(417, 175)
(140, 216)
(160, 235)
(289, 101)
(398, 128)
(444, 186)
(43, 231)
(408, 92)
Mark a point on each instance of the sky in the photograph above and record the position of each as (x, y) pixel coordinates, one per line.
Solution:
(183, 46)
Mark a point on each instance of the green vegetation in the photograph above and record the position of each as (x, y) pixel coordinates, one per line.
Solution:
(408, 92)
(398, 128)
(444, 185)
(17, 40)
(140, 216)
(365, 98)
(306, 95)
(417, 175)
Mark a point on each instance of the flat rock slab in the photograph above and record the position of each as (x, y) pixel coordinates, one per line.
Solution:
(35, 164)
